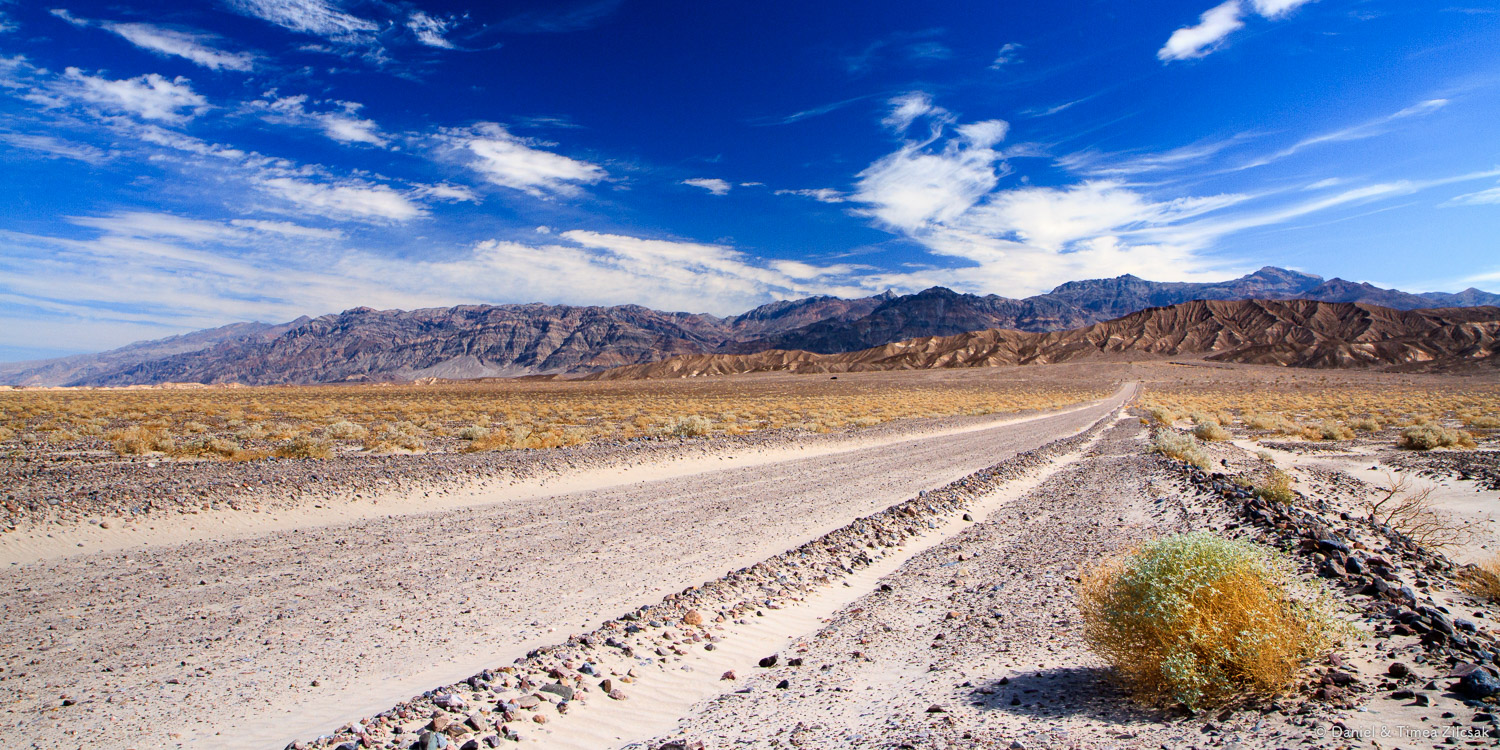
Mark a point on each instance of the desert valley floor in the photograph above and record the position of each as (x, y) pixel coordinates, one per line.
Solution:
(908, 581)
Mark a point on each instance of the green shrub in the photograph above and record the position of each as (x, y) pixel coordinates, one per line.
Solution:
(1199, 620)
(1428, 436)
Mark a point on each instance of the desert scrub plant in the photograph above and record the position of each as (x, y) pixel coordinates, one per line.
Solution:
(1482, 421)
(1428, 436)
(1276, 488)
(1161, 415)
(6, 434)
(1328, 430)
(136, 441)
(690, 426)
(305, 447)
(1412, 513)
(1210, 431)
(1200, 620)
(345, 430)
(473, 432)
(1482, 579)
(1173, 444)
(1364, 424)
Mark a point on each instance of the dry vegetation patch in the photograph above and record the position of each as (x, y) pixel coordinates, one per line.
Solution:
(1199, 620)
(319, 421)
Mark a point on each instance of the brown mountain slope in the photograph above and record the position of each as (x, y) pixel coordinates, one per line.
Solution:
(1294, 333)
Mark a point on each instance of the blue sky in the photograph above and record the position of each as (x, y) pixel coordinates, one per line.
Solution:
(174, 166)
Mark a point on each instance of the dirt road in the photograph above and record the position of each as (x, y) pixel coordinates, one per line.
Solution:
(256, 640)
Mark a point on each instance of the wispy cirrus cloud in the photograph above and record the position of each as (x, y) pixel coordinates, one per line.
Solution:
(1360, 131)
(430, 30)
(57, 147)
(315, 17)
(342, 123)
(946, 193)
(195, 46)
(711, 184)
(517, 163)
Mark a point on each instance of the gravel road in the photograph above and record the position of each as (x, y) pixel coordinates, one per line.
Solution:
(251, 642)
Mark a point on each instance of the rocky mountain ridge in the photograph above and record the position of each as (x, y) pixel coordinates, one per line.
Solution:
(1288, 333)
(471, 341)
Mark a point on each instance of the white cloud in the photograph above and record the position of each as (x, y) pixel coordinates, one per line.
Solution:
(191, 46)
(342, 124)
(150, 96)
(430, 30)
(822, 195)
(317, 17)
(1489, 197)
(447, 192)
(1213, 26)
(1277, 8)
(917, 185)
(288, 229)
(518, 163)
(347, 199)
(906, 108)
(1009, 54)
(56, 147)
(711, 184)
(1367, 129)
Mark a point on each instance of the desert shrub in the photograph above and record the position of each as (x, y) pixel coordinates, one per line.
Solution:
(251, 432)
(344, 430)
(135, 441)
(197, 428)
(1199, 620)
(305, 447)
(1173, 444)
(1202, 417)
(473, 432)
(1482, 579)
(1427, 437)
(6, 433)
(1483, 422)
(1161, 415)
(1331, 430)
(61, 436)
(1277, 487)
(690, 426)
(1210, 431)
(1364, 424)
(1262, 421)
(211, 447)
(1413, 514)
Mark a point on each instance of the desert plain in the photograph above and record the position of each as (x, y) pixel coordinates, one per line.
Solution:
(872, 560)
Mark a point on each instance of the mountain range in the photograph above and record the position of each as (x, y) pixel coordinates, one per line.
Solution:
(470, 341)
(1288, 333)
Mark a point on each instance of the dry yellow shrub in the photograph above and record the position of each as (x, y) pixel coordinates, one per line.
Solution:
(1199, 620)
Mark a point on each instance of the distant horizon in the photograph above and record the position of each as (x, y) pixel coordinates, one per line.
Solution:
(6, 353)
(173, 168)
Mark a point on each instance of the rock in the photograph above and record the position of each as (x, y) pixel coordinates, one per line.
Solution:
(558, 689)
(539, 718)
(528, 702)
(439, 723)
(727, 675)
(617, 695)
(1478, 684)
(936, 709)
(432, 741)
(448, 701)
(783, 685)
(693, 617)
(768, 662)
(606, 685)
(1398, 670)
